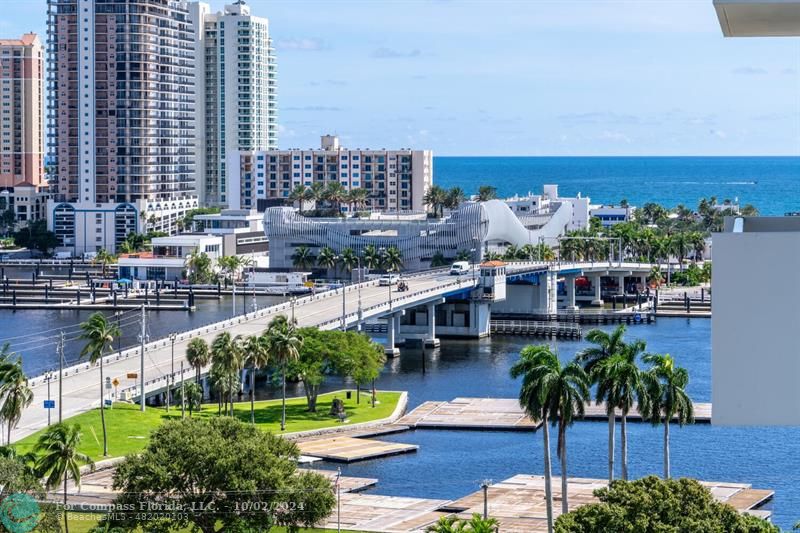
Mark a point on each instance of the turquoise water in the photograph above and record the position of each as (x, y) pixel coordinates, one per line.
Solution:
(772, 184)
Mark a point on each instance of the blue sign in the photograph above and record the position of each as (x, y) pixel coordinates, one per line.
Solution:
(49, 404)
(108, 402)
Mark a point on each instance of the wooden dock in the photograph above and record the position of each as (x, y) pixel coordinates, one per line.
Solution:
(518, 503)
(347, 449)
(504, 415)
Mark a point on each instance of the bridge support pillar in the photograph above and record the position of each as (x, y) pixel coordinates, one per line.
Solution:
(431, 341)
(569, 283)
(597, 298)
(548, 294)
(392, 328)
(621, 283)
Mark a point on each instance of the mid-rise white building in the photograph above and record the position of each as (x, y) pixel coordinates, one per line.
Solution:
(236, 92)
(395, 180)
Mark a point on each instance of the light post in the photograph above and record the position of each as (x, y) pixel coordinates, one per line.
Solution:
(49, 377)
(118, 314)
(172, 337)
(358, 287)
(485, 486)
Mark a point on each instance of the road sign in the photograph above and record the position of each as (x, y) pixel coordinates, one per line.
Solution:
(49, 404)
(115, 382)
(132, 375)
(108, 403)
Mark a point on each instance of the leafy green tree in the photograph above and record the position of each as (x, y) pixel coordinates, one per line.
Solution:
(233, 476)
(605, 346)
(302, 257)
(463, 255)
(198, 355)
(59, 459)
(492, 256)
(35, 236)
(193, 399)
(284, 344)
(99, 335)
(486, 193)
(199, 265)
(363, 360)
(17, 476)
(438, 259)
(15, 395)
(105, 258)
(666, 389)
(319, 356)
(511, 253)
(651, 505)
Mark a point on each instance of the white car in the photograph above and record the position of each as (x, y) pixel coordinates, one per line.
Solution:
(389, 279)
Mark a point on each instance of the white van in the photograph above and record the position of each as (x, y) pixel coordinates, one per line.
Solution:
(459, 267)
(63, 255)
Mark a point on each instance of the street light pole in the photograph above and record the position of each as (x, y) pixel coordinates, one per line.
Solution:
(172, 337)
(485, 486)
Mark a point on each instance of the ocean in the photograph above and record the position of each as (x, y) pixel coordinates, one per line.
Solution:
(772, 184)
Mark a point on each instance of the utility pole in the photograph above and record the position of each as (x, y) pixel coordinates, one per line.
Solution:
(60, 375)
(172, 337)
(183, 394)
(338, 501)
(344, 311)
(118, 314)
(49, 376)
(142, 338)
(233, 284)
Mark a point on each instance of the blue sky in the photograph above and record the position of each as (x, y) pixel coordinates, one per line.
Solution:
(522, 77)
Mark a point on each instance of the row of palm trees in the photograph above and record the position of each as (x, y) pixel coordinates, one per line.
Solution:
(390, 259)
(527, 252)
(334, 194)
(228, 355)
(556, 393)
(15, 395)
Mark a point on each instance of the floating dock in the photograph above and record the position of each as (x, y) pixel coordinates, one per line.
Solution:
(347, 449)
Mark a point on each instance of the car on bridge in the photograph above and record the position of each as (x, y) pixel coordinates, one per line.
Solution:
(389, 279)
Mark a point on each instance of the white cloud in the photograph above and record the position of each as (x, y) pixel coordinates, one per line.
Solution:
(306, 44)
(614, 136)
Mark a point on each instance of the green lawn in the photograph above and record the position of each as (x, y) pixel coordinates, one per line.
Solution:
(129, 429)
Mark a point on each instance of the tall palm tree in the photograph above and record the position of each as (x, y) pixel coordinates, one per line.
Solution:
(302, 257)
(15, 395)
(393, 259)
(541, 382)
(372, 257)
(327, 258)
(605, 346)
(455, 196)
(620, 382)
(284, 344)
(486, 192)
(571, 393)
(99, 335)
(59, 459)
(666, 384)
(226, 351)
(349, 259)
(317, 192)
(335, 194)
(256, 354)
(435, 198)
(298, 196)
(198, 356)
(105, 258)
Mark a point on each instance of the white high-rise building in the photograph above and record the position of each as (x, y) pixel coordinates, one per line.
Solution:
(236, 94)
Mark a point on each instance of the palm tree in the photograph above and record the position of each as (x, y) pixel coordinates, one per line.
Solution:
(666, 384)
(15, 395)
(571, 392)
(105, 258)
(226, 352)
(302, 257)
(620, 382)
(99, 334)
(198, 356)
(256, 354)
(492, 256)
(486, 192)
(349, 259)
(454, 198)
(655, 276)
(446, 524)
(60, 459)
(327, 258)
(284, 344)
(335, 194)
(435, 198)
(606, 345)
(372, 257)
(356, 198)
(298, 196)
(543, 383)
(392, 259)
(316, 192)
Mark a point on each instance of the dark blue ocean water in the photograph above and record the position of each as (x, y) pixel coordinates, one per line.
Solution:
(772, 184)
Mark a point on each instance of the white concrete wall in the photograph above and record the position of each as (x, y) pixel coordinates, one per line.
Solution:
(755, 357)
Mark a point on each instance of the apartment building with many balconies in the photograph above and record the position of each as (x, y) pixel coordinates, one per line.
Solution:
(395, 180)
(121, 106)
(236, 92)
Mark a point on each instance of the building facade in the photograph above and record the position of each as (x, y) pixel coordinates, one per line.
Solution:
(121, 105)
(236, 92)
(395, 180)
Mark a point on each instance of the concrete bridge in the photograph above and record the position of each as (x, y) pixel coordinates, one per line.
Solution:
(434, 304)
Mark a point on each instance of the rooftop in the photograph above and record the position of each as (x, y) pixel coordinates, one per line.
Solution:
(758, 18)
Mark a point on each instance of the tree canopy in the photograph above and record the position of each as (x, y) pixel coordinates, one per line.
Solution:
(653, 505)
(218, 475)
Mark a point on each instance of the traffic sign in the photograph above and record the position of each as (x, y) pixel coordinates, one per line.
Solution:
(49, 404)
(115, 382)
(132, 375)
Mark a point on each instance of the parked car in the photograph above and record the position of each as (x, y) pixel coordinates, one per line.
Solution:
(459, 267)
(389, 279)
